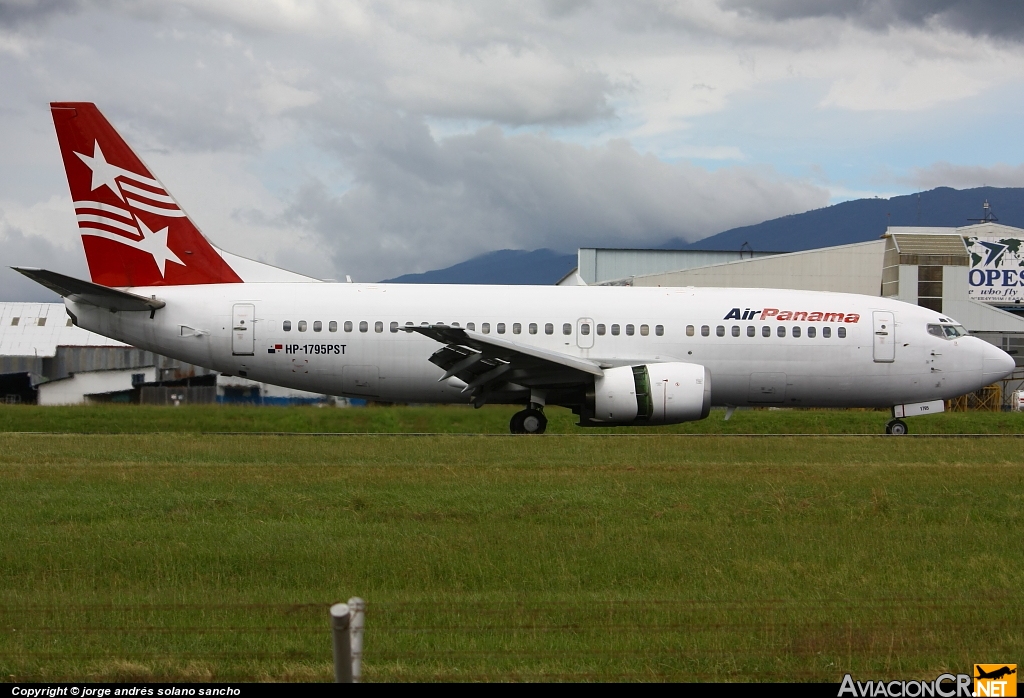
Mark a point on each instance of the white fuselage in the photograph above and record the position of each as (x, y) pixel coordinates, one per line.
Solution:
(868, 367)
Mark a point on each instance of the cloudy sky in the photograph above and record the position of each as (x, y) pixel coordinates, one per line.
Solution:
(380, 138)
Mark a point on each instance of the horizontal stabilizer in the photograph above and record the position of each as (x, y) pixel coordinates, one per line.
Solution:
(87, 292)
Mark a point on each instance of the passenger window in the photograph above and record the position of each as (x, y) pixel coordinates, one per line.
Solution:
(318, 326)
(286, 325)
(781, 331)
(812, 332)
(841, 332)
(796, 330)
(766, 331)
(659, 330)
(516, 328)
(332, 326)
(585, 328)
(549, 328)
(471, 326)
(363, 326)
(615, 330)
(720, 331)
(68, 323)
(41, 322)
(348, 325)
(485, 328)
(378, 326)
(455, 324)
(705, 331)
(600, 329)
(826, 332)
(751, 330)
(15, 321)
(566, 328)
(645, 330)
(501, 328)
(533, 328)
(735, 330)
(689, 330)
(394, 327)
(629, 330)
(302, 325)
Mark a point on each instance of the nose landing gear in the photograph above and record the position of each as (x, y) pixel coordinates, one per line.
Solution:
(896, 427)
(528, 421)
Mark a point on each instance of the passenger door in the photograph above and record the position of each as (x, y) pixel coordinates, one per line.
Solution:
(243, 340)
(885, 337)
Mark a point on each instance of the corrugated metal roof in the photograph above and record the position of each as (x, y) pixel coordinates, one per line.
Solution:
(928, 249)
(37, 329)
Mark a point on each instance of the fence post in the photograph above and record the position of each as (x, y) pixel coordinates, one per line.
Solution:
(340, 621)
(357, 607)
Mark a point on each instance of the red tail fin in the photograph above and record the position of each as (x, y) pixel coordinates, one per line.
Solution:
(133, 230)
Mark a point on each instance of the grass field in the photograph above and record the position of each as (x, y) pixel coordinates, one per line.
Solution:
(177, 556)
(492, 419)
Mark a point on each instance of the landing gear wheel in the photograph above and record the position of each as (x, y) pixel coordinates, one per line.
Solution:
(896, 427)
(529, 421)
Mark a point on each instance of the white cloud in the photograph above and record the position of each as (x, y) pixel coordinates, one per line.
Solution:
(288, 127)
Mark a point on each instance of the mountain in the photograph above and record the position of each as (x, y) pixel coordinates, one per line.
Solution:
(850, 221)
(867, 219)
(539, 267)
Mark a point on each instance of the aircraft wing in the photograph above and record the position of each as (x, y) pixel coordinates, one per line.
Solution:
(489, 364)
(88, 292)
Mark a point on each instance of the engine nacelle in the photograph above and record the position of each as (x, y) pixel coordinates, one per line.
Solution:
(664, 393)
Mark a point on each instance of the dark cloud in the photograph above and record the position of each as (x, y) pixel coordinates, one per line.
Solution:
(20, 250)
(19, 12)
(996, 18)
(944, 174)
(418, 203)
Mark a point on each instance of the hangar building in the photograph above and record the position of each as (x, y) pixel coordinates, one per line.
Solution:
(974, 274)
(46, 360)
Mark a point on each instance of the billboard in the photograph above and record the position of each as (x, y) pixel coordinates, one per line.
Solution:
(997, 269)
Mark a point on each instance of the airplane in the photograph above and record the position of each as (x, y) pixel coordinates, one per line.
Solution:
(613, 355)
(995, 673)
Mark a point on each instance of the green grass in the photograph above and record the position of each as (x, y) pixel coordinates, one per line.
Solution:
(130, 419)
(182, 556)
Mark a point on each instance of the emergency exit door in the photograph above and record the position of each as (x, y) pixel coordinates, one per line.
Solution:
(885, 337)
(243, 340)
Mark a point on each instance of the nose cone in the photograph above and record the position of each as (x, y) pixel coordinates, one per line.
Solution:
(996, 363)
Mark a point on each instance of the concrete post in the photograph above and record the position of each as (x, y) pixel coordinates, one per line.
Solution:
(357, 607)
(340, 622)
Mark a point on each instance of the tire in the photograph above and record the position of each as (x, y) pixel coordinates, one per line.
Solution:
(515, 425)
(533, 422)
(896, 427)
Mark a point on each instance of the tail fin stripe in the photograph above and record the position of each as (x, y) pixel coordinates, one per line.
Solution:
(105, 209)
(116, 237)
(168, 212)
(87, 221)
(160, 196)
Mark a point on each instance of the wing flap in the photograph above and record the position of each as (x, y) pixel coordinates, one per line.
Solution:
(489, 365)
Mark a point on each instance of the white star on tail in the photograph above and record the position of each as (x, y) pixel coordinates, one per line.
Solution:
(103, 173)
(155, 243)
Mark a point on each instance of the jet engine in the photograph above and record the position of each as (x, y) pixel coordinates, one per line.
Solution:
(663, 393)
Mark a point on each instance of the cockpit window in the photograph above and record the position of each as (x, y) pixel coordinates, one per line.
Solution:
(947, 331)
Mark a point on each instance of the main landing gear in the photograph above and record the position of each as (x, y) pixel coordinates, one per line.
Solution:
(896, 427)
(529, 421)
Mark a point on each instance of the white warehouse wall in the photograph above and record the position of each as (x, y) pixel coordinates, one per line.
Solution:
(72, 391)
